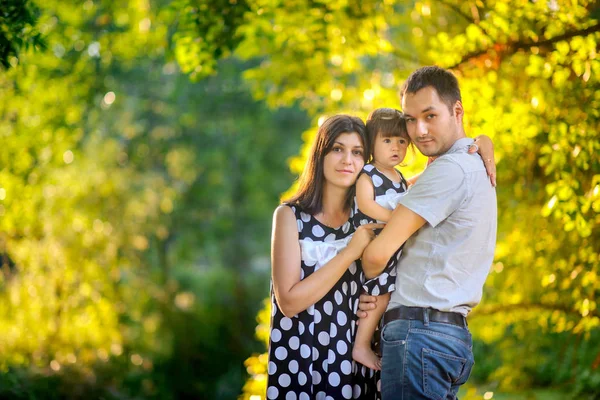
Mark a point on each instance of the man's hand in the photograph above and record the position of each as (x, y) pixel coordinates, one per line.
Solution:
(366, 303)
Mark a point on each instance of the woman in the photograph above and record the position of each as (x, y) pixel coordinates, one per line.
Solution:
(316, 282)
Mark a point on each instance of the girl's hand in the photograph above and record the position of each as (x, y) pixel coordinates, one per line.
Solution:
(485, 147)
(361, 238)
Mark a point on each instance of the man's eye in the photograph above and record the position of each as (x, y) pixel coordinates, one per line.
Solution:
(431, 116)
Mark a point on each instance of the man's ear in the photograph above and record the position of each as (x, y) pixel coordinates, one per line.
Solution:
(459, 111)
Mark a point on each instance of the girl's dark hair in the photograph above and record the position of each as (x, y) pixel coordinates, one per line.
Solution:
(387, 122)
(309, 196)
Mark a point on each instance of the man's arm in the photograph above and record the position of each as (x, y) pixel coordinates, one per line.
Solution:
(401, 226)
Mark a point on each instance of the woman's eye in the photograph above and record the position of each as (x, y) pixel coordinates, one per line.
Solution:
(358, 152)
(337, 149)
(410, 120)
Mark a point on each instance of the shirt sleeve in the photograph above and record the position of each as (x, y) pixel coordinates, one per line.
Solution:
(439, 191)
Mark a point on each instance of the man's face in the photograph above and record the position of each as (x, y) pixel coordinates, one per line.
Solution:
(431, 125)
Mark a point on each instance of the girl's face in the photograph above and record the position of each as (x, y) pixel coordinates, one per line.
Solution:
(344, 161)
(389, 151)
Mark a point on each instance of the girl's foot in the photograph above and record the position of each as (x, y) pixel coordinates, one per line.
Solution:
(366, 357)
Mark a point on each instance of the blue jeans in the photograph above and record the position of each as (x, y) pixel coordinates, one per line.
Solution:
(424, 360)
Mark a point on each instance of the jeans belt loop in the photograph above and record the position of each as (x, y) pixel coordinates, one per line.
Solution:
(426, 316)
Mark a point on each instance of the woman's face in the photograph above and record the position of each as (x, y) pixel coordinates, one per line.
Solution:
(344, 161)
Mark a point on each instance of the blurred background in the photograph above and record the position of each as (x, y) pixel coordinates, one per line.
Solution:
(144, 145)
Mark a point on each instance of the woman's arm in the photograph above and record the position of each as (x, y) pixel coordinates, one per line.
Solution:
(485, 147)
(295, 295)
(365, 199)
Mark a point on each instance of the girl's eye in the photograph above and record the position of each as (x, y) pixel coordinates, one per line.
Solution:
(402, 141)
(387, 141)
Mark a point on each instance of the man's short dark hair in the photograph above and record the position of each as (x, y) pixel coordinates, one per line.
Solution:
(442, 80)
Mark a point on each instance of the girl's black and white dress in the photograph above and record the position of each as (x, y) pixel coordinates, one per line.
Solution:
(387, 192)
(310, 354)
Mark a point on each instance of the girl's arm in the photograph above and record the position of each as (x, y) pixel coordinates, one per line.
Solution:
(365, 199)
(295, 295)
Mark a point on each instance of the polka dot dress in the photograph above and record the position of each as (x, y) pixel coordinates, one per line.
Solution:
(387, 193)
(310, 354)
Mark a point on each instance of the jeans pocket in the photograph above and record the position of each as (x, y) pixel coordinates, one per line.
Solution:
(394, 333)
(443, 373)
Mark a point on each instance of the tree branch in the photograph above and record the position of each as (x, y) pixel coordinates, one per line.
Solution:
(472, 19)
(457, 10)
(519, 45)
(413, 58)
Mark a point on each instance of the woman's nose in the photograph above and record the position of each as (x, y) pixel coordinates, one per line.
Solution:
(347, 157)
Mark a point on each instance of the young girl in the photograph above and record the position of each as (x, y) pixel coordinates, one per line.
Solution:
(378, 189)
(315, 280)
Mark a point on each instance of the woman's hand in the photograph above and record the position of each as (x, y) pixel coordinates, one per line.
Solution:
(361, 238)
(485, 147)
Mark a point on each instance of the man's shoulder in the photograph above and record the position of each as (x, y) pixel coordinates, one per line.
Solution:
(445, 166)
(463, 161)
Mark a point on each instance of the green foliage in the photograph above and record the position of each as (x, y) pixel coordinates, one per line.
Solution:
(206, 32)
(18, 30)
(134, 222)
(135, 205)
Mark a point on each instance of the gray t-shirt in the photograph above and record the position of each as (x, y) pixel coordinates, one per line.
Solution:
(445, 263)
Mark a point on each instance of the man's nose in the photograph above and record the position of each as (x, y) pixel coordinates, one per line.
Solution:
(421, 128)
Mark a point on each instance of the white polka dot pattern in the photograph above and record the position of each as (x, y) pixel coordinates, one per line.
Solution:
(377, 181)
(310, 353)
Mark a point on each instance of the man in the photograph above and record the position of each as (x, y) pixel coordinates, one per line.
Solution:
(448, 221)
